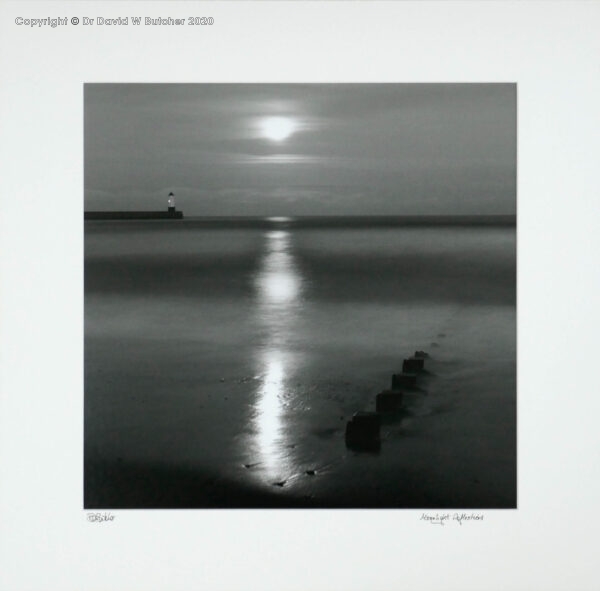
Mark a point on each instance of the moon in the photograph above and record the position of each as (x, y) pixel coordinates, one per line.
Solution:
(277, 129)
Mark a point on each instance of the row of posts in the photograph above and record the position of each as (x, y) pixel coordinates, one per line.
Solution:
(362, 431)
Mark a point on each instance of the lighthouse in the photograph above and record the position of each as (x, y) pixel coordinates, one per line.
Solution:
(171, 202)
(170, 214)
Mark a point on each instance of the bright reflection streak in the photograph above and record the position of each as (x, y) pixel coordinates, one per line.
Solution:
(280, 219)
(268, 410)
(278, 287)
(278, 281)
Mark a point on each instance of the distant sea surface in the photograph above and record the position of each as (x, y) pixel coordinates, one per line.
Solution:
(224, 356)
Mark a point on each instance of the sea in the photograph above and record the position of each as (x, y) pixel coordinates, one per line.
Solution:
(224, 358)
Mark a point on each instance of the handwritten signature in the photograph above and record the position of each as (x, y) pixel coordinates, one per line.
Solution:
(100, 517)
(445, 518)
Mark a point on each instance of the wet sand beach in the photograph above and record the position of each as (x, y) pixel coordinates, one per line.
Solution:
(222, 364)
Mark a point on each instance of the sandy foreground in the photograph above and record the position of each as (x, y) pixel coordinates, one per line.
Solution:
(262, 429)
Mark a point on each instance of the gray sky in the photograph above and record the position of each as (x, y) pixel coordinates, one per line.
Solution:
(351, 149)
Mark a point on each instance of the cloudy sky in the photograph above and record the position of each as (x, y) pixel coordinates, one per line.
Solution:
(302, 149)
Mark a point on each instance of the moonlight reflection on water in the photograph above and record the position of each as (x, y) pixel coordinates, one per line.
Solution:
(278, 292)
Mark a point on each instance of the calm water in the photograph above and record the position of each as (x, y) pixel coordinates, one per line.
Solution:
(238, 354)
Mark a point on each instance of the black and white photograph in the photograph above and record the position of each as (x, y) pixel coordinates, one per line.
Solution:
(300, 296)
